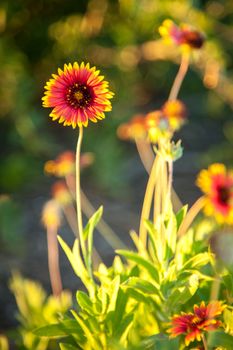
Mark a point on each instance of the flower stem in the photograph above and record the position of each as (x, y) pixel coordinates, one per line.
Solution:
(70, 215)
(179, 77)
(170, 178)
(53, 261)
(145, 153)
(88, 210)
(157, 194)
(78, 195)
(204, 342)
(215, 288)
(192, 213)
(147, 202)
(104, 229)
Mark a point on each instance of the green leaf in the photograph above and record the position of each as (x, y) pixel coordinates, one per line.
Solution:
(228, 320)
(75, 260)
(146, 264)
(160, 342)
(139, 296)
(219, 338)
(181, 294)
(170, 236)
(103, 298)
(88, 235)
(57, 330)
(155, 240)
(124, 328)
(51, 331)
(142, 285)
(180, 215)
(88, 333)
(120, 310)
(84, 302)
(113, 293)
(68, 347)
(198, 260)
(92, 223)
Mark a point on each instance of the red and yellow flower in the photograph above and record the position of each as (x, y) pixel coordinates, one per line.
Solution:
(51, 215)
(183, 35)
(192, 325)
(217, 184)
(61, 193)
(62, 166)
(161, 123)
(175, 112)
(134, 129)
(77, 94)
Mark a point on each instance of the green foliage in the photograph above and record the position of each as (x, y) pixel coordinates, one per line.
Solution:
(128, 306)
(36, 309)
(10, 229)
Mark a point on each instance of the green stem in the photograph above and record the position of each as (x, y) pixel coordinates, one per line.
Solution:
(147, 202)
(215, 288)
(204, 342)
(191, 215)
(78, 195)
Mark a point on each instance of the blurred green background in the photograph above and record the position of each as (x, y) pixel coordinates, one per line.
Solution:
(121, 38)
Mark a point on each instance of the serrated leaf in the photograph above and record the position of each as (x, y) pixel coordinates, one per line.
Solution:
(146, 264)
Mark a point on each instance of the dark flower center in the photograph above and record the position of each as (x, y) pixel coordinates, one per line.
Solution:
(194, 39)
(79, 96)
(224, 194)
